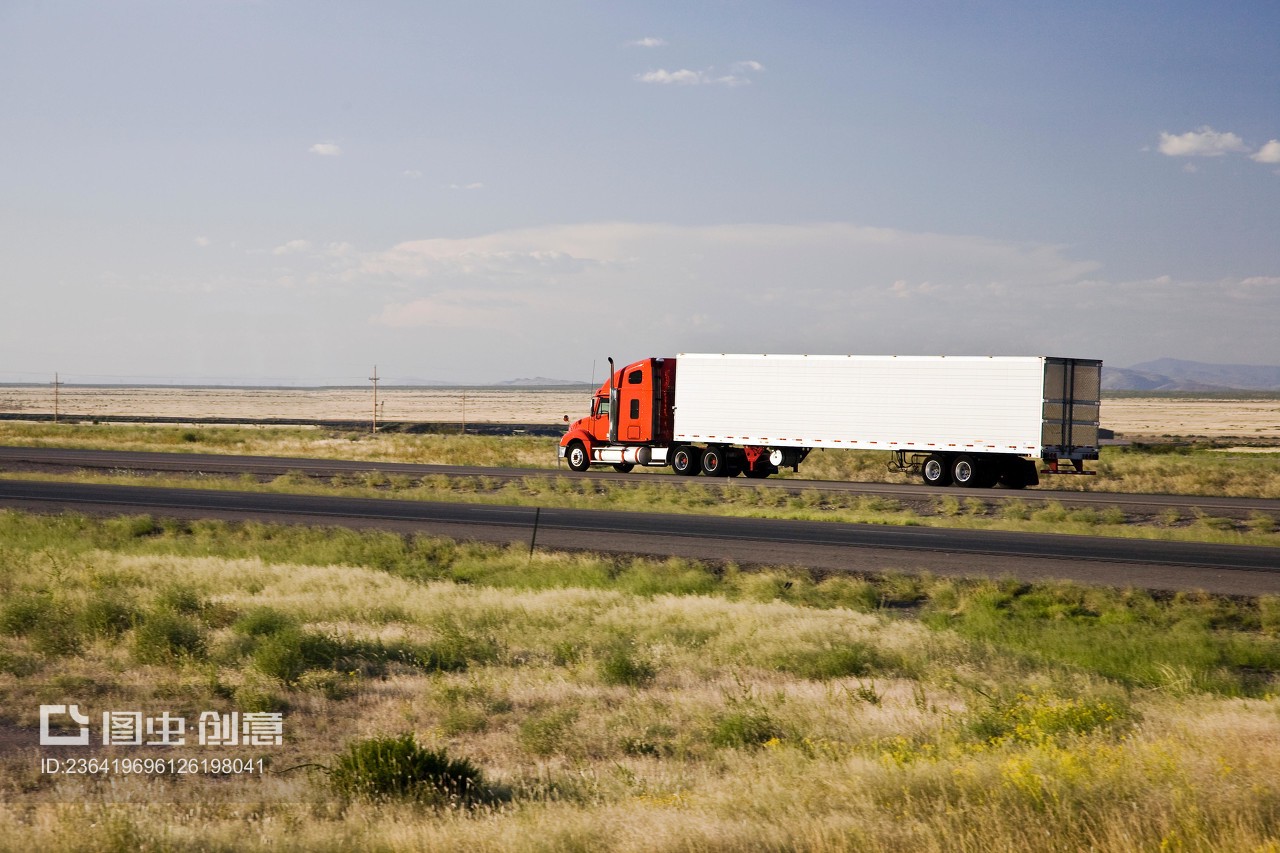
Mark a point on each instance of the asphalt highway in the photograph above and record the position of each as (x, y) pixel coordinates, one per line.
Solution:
(37, 458)
(828, 547)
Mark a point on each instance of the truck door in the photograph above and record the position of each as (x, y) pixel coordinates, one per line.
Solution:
(636, 400)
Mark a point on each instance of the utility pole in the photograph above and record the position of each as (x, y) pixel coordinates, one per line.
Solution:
(56, 385)
(374, 380)
(464, 411)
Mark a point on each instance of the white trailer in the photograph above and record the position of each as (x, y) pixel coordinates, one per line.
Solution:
(971, 420)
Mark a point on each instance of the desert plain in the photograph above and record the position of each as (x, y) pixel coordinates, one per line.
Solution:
(1255, 421)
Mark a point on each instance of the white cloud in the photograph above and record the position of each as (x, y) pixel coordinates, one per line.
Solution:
(1269, 153)
(293, 247)
(473, 186)
(738, 76)
(649, 41)
(202, 242)
(688, 77)
(326, 149)
(682, 77)
(1201, 142)
(411, 173)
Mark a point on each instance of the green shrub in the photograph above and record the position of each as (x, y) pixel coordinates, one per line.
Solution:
(108, 615)
(180, 599)
(544, 733)
(622, 667)
(263, 622)
(165, 636)
(1269, 613)
(281, 657)
(833, 661)
(23, 613)
(745, 728)
(132, 527)
(387, 768)
(48, 624)
(290, 651)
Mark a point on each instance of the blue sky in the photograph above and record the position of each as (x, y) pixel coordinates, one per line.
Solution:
(293, 192)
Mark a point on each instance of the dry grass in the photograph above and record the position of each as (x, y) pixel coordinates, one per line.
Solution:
(779, 712)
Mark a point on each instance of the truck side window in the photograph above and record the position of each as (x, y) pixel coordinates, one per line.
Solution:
(602, 406)
(635, 377)
(635, 408)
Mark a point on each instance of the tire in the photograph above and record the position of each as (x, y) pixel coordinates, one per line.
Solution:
(762, 470)
(974, 472)
(579, 459)
(714, 463)
(624, 467)
(964, 471)
(686, 461)
(936, 471)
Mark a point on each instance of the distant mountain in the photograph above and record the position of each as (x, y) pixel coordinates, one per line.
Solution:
(1172, 374)
(536, 382)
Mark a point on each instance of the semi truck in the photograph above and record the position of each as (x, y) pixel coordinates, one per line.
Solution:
(971, 421)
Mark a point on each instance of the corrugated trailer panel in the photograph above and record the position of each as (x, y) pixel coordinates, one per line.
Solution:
(1072, 390)
(992, 404)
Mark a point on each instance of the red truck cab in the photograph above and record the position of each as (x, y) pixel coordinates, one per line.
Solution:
(630, 414)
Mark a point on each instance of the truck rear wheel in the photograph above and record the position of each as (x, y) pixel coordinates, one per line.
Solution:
(686, 461)
(936, 471)
(579, 459)
(714, 463)
(623, 467)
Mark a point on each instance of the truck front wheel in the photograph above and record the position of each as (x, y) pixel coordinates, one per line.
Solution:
(579, 459)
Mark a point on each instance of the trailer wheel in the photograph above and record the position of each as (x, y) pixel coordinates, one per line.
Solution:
(973, 472)
(762, 470)
(713, 462)
(578, 458)
(935, 471)
(623, 467)
(686, 461)
(964, 471)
